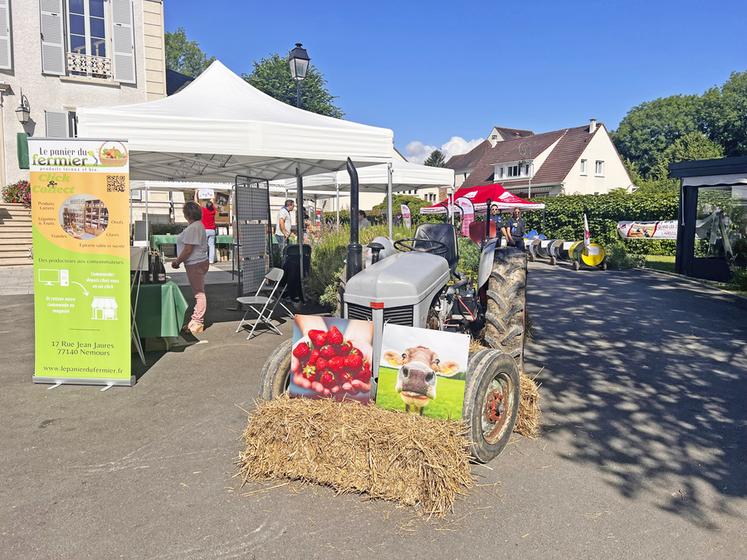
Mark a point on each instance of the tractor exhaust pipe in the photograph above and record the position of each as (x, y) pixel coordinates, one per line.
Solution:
(355, 249)
(486, 229)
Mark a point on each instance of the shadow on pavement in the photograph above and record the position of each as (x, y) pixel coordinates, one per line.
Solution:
(646, 377)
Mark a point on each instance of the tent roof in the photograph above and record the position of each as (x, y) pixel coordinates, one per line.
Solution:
(479, 196)
(405, 176)
(219, 126)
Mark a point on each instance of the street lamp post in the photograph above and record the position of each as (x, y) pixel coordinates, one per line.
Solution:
(298, 59)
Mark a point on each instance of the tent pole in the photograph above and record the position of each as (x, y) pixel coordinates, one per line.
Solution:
(337, 201)
(147, 225)
(299, 225)
(389, 198)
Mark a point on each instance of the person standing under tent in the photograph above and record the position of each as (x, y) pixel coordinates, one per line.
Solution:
(497, 219)
(208, 221)
(514, 230)
(283, 225)
(191, 249)
(363, 220)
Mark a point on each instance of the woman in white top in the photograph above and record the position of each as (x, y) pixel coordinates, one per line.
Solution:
(191, 249)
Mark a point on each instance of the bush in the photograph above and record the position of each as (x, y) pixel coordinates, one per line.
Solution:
(19, 192)
(739, 279)
(329, 254)
(619, 258)
(563, 217)
(469, 258)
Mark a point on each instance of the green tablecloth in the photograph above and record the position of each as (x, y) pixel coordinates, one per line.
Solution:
(160, 310)
(157, 240)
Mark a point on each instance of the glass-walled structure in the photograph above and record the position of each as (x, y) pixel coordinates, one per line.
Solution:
(712, 224)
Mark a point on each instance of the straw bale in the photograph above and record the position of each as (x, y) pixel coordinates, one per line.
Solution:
(528, 419)
(350, 447)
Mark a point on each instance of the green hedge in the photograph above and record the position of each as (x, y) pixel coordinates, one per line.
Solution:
(329, 254)
(563, 218)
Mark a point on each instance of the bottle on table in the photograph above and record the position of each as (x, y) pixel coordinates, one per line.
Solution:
(160, 270)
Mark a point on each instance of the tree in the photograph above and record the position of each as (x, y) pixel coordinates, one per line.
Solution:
(398, 200)
(649, 128)
(725, 114)
(185, 56)
(436, 159)
(272, 76)
(693, 145)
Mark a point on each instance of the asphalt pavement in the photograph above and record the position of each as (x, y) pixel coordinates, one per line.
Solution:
(643, 452)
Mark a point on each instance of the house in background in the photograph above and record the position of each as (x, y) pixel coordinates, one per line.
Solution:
(64, 54)
(580, 160)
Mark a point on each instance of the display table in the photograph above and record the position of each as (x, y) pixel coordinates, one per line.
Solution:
(160, 310)
(157, 240)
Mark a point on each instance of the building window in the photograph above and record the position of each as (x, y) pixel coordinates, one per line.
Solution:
(583, 167)
(87, 27)
(501, 171)
(72, 124)
(599, 168)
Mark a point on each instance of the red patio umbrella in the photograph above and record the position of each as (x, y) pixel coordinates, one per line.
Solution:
(479, 196)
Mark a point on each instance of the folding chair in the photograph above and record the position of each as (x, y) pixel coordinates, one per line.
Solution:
(270, 282)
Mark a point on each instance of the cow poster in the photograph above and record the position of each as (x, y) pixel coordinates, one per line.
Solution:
(423, 371)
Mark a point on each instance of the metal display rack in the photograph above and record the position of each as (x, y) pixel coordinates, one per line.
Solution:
(252, 230)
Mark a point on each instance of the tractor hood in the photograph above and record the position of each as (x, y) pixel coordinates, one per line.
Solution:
(401, 279)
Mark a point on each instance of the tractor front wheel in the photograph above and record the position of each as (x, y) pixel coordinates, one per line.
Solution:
(491, 403)
(274, 378)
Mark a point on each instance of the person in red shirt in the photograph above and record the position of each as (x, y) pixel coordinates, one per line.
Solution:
(208, 220)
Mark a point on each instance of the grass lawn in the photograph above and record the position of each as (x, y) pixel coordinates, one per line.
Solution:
(660, 262)
(447, 404)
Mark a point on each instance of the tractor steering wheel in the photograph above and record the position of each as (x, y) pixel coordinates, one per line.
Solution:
(432, 246)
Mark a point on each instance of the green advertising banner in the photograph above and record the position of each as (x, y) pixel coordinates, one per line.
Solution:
(80, 214)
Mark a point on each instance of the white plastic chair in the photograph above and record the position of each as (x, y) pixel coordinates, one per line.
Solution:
(269, 302)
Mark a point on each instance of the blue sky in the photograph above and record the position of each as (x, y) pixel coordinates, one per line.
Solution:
(434, 70)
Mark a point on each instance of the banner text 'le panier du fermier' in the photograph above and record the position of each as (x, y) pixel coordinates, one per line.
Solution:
(665, 229)
(81, 232)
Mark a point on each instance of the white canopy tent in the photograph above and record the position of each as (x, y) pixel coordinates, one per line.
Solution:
(219, 126)
(399, 175)
(405, 176)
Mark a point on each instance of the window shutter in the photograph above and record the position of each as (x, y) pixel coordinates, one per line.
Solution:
(56, 124)
(124, 42)
(52, 37)
(5, 55)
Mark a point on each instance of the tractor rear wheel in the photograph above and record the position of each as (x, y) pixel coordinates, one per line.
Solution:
(275, 375)
(491, 403)
(506, 304)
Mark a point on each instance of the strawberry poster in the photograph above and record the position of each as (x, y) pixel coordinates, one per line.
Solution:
(331, 357)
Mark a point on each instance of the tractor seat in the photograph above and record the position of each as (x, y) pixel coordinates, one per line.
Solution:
(439, 232)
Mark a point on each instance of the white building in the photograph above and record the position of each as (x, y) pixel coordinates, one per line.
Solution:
(580, 160)
(64, 54)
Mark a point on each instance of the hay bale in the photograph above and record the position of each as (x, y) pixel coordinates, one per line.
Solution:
(528, 419)
(351, 447)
